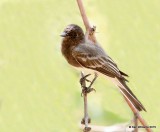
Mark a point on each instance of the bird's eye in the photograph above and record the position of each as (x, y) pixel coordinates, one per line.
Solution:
(66, 32)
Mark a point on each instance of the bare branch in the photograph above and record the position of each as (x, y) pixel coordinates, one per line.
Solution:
(86, 119)
(136, 113)
(90, 31)
(83, 14)
(114, 128)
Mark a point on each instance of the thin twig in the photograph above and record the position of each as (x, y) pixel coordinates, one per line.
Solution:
(86, 119)
(114, 128)
(83, 14)
(89, 30)
(136, 112)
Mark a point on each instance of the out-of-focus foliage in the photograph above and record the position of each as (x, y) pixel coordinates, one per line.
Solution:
(39, 91)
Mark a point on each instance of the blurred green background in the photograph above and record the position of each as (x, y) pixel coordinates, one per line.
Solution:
(40, 92)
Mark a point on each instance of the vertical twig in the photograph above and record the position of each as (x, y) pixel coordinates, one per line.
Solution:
(89, 32)
(86, 119)
(83, 14)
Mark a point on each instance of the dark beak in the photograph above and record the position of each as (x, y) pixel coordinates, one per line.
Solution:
(64, 34)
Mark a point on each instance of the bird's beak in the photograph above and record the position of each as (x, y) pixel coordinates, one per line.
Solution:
(63, 34)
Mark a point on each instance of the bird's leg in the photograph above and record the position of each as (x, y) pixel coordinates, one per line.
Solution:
(84, 78)
(95, 77)
(88, 89)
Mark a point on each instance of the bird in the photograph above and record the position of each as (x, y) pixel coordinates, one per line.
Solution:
(82, 53)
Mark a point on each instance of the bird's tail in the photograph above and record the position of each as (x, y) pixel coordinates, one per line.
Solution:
(124, 89)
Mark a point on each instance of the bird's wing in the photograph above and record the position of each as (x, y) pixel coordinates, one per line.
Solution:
(93, 57)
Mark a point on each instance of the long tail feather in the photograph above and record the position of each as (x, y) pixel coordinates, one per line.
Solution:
(129, 94)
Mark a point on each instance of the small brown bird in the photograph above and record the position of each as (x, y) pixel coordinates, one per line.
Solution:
(81, 53)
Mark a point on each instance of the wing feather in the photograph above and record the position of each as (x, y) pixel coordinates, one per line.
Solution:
(96, 59)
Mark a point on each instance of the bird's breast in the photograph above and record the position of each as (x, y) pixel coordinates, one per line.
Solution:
(67, 53)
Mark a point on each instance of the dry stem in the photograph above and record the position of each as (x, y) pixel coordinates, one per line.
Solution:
(136, 113)
(85, 120)
(89, 30)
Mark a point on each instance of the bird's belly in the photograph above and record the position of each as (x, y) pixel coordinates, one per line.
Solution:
(73, 62)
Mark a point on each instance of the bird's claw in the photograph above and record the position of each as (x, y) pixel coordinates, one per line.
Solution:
(87, 90)
(83, 79)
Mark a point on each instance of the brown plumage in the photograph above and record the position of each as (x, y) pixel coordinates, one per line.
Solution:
(80, 52)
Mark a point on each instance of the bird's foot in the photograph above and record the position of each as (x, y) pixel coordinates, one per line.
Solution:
(83, 79)
(86, 90)
(95, 77)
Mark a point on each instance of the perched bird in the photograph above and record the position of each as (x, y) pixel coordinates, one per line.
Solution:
(82, 53)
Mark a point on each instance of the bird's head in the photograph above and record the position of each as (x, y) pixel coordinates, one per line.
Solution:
(73, 31)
